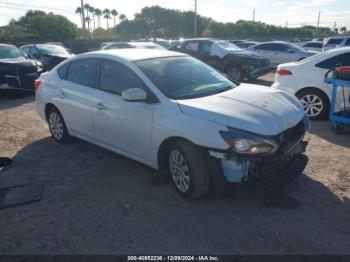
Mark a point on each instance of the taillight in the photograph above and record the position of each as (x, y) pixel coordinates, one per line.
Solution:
(37, 84)
(283, 72)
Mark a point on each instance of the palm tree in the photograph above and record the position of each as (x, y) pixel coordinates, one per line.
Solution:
(79, 11)
(343, 30)
(98, 13)
(107, 13)
(88, 20)
(92, 11)
(114, 14)
(122, 17)
(87, 6)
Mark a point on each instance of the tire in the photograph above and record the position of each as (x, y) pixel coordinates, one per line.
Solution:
(186, 160)
(234, 73)
(57, 126)
(315, 102)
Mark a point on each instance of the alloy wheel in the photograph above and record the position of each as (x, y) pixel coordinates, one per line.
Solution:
(179, 170)
(234, 74)
(312, 104)
(56, 125)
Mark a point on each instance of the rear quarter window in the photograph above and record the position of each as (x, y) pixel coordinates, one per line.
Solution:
(83, 72)
(62, 71)
(343, 59)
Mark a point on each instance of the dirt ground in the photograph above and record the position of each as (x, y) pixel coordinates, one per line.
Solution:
(97, 202)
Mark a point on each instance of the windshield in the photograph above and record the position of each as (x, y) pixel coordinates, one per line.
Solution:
(226, 44)
(184, 77)
(7, 52)
(335, 41)
(52, 50)
(296, 47)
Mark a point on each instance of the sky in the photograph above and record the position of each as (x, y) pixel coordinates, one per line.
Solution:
(278, 12)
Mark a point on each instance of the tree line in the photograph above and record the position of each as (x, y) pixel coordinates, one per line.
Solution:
(85, 12)
(150, 22)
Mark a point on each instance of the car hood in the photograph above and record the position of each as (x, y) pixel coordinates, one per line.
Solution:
(310, 53)
(257, 109)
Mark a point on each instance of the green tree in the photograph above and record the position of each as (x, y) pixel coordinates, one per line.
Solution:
(114, 14)
(343, 30)
(47, 26)
(87, 18)
(107, 16)
(122, 17)
(79, 11)
(92, 11)
(98, 13)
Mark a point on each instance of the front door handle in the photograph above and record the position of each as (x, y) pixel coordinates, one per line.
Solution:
(62, 95)
(100, 106)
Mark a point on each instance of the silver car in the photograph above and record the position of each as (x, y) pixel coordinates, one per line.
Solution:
(279, 52)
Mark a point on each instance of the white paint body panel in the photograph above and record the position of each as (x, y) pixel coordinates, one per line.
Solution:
(137, 129)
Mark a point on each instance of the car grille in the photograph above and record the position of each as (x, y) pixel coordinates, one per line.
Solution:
(291, 136)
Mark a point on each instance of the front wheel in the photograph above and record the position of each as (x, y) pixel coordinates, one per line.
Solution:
(315, 103)
(188, 170)
(234, 73)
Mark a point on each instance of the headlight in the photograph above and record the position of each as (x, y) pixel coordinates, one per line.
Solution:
(245, 143)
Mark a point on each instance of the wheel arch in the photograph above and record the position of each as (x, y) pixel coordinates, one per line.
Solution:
(312, 88)
(164, 148)
(49, 106)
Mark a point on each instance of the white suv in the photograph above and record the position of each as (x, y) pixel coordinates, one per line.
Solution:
(174, 113)
(335, 42)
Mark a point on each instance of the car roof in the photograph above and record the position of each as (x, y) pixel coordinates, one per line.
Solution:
(339, 37)
(276, 42)
(6, 45)
(132, 54)
(195, 39)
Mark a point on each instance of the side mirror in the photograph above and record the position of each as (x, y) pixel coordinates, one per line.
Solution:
(134, 95)
(290, 51)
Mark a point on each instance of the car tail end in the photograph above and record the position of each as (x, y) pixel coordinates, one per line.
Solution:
(285, 78)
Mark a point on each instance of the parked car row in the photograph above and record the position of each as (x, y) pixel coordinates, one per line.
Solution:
(19, 67)
(16, 70)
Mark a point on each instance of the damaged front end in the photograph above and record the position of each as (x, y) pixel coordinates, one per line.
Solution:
(272, 160)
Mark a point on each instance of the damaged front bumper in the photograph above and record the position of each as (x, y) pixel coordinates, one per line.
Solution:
(274, 172)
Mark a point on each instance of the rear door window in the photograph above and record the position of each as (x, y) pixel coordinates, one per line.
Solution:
(343, 59)
(264, 47)
(83, 72)
(33, 53)
(192, 47)
(62, 71)
(205, 47)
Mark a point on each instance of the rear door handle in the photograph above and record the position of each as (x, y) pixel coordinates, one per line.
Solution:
(100, 106)
(62, 95)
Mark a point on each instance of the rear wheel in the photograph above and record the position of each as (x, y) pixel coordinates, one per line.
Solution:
(315, 103)
(188, 171)
(57, 125)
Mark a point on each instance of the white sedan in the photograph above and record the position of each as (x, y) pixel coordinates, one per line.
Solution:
(174, 113)
(305, 79)
(279, 52)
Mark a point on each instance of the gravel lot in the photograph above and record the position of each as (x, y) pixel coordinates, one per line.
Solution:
(97, 202)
